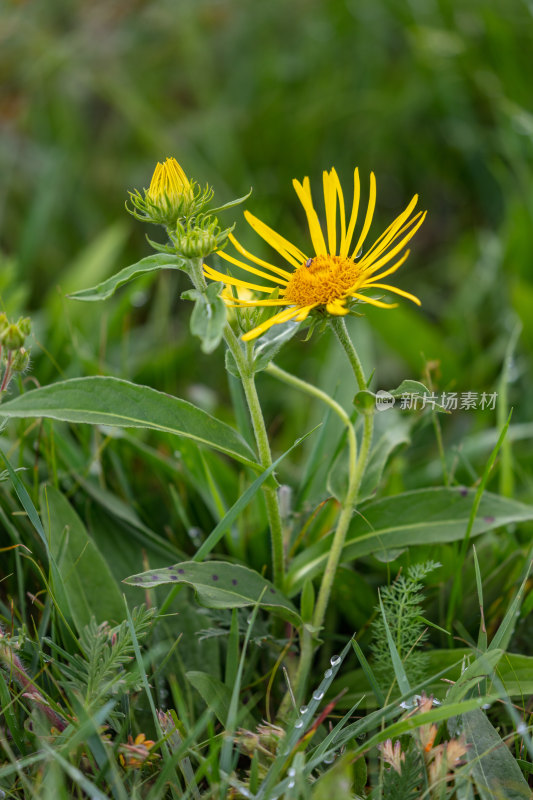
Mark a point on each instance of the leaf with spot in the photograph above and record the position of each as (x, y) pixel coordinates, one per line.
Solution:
(219, 584)
(422, 516)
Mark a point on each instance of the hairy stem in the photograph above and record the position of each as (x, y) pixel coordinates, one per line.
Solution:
(243, 362)
(356, 472)
(263, 447)
(306, 639)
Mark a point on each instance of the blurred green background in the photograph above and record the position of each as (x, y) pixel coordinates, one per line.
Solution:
(435, 97)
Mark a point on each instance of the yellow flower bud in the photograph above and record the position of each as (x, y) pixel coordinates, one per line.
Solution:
(169, 183)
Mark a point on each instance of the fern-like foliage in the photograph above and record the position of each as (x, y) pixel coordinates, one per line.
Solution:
(405, 785)
(403, 604)
(101, 669)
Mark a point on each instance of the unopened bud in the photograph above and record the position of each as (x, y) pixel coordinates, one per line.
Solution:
(171, 196)
(21, 359)
(24, 325)
(200, 237)
(12, 337)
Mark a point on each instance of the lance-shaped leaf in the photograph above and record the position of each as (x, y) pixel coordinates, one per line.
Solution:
(111, 401)
(108, 287)
(219, 584)
(423, 516)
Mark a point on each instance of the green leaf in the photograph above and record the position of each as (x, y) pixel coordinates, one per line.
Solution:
(215, 694)
(221, 585)
(399, 671)
(108, 287)
(208, 315)
(503, 635)
(231, 515)
(88, 585)
(231, 364)
(338, 781)
(483, 666)
(391, 440)
(409, 387)
(231, 203)
(112, 401)
(492, 765)
(423, 516)
(271, 343)
(367, 402)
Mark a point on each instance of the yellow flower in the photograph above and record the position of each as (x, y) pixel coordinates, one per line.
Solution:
(136, 752)
(169, 182)
(334, 276)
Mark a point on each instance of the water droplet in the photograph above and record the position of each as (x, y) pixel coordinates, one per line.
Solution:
(291, 784)
(304, 709)
(299, 723)
(318, 695)
(335, 661)
(249, 620)
(359, 254)
(329, 759)
(291, 772)
(328, 673)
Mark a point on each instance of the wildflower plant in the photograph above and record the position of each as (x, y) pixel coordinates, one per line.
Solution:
(256, 306)
(327, 280)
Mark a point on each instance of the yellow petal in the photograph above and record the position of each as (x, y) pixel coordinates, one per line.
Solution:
(388, 271)
(259, 261)
(304, 312)
(330, 203)
(389, 234)
(215, 275)
(238, 303)
(303, 190)
(369, 214)
(372, 302)
(337, 307)
(397, 291)
(345, 244)
(283, 316)
(396, 249)
(289, 251)
(374, 254)
(342, 210)
(253, 270)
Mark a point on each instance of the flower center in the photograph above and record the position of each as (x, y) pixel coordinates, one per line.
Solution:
(322, 280)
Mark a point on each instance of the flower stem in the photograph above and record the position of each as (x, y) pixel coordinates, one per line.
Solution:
(246, 372)
(263, 447)
(356, 471)
(306, 637)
